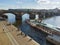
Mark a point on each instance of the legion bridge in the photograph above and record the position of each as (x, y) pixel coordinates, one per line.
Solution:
(32, 12)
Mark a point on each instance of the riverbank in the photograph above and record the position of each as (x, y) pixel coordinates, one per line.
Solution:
(16, 37)
(53, 33)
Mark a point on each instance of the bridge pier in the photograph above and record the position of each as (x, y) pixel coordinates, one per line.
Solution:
(18, 17)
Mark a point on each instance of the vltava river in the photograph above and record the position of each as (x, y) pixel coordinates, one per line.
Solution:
(53, 21)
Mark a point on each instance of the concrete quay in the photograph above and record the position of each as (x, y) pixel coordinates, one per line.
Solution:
(10, 35)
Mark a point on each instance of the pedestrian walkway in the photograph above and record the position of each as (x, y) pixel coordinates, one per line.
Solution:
(19, 38)
(4, 40)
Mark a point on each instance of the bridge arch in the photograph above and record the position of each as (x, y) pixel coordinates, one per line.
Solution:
(11, 18)
(8, 14)
(25, 17)
(17, 14)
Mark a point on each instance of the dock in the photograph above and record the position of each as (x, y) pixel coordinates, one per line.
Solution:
(9, 35)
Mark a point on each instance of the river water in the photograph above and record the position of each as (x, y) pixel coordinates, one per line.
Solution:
(35, 34)
(53, 21)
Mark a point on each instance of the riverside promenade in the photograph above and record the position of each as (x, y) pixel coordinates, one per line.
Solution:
(10, 35)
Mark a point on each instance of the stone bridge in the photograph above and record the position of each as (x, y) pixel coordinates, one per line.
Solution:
(18, 13)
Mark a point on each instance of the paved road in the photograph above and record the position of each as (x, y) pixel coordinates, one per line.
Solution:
(16, 39)
(11, 38)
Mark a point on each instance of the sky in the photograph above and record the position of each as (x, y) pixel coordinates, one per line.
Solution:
(29, 4)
